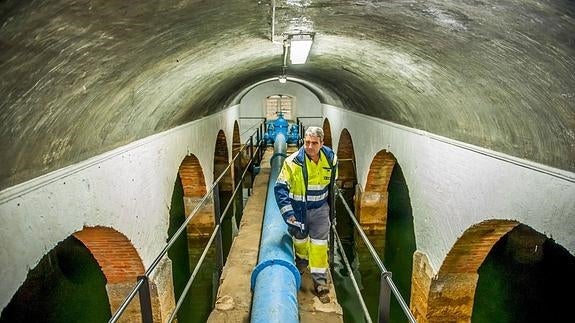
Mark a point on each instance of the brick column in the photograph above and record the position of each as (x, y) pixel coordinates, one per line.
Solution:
(371, 209)
(420, 283)
(451, 298)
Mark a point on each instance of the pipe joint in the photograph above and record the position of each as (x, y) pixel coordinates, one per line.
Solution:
(271, 262)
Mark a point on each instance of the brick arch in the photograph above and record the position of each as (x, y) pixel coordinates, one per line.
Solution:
(346, 169)
(326, 133)
(114, 253)
(236, 141)
(452, 291)
(121, 265)
(236, 148)
(380, 172)
(371, 203)
(192, 177)
(225, 192)
(194, 186)
(240, 159)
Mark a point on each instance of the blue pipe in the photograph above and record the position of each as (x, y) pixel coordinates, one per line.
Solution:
(275, 281)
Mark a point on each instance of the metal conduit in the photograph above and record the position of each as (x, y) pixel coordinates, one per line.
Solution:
(275, 280)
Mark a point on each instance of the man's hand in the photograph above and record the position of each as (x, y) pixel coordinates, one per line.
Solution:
(293, 221)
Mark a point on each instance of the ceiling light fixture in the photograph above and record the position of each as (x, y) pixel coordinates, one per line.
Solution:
(300, 46)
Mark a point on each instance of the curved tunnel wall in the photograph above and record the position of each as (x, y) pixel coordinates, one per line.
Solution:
(80, 79)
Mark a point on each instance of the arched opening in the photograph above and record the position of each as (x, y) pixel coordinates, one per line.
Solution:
(399, 238)
(87, 275)
(189, 189)
(502, 270)
(327, 133)
(346, 182)
(179, 253)
(238, 169)
(384, 212)
(225, 189)
(121, 265)
(371, 208)
(522, 279)
(66, 284)
(194, 188)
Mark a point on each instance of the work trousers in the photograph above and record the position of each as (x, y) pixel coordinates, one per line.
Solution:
(311, 244)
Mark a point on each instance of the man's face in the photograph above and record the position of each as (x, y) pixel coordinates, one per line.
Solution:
(312, 145)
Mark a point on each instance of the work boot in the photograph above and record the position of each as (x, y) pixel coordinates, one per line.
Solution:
(301, 265)
(322, 292)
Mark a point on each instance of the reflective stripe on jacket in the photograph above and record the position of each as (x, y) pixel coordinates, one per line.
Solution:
(290, 185)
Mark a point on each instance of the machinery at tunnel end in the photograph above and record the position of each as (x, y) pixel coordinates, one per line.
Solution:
(281, 125)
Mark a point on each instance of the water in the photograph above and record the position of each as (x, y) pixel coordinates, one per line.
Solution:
(394, 248)
(524, 285)
(66, 285)
(185, 254)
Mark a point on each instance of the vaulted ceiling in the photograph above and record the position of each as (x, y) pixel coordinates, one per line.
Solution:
(78, 78)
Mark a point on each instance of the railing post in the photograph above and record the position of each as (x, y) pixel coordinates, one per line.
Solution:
(262, 145)
(219, 244)
(251, 147)
(145, 300)
(259, 143)
(384, 298)
(332, 199)
(301, 135)
(251, 163)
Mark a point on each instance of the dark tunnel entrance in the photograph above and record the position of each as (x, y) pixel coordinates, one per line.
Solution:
(67, 284)
(395, 247)
(522, 278)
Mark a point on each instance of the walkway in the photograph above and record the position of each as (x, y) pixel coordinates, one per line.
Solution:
(234, 295)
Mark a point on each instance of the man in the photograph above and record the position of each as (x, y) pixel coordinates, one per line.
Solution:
(311, 169)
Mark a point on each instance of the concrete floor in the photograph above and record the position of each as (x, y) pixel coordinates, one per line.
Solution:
(234, 295)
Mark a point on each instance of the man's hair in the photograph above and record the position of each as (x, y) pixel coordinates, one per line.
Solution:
(314, 132)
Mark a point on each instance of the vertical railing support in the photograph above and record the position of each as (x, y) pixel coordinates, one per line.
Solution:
(251, 164)
(384, 298)
(219, 244)
(301, 135)
(145, 300)
(331, 242)
(251, 147)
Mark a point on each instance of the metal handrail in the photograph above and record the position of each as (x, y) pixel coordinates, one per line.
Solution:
(351, 275)
(254, 125)
(143, 280)
(385, 274)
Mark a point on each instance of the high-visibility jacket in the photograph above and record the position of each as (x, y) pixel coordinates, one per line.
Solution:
(290, 187)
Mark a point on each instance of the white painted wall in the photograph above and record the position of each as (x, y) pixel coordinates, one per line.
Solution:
(128, 189)
(453, 185)
(306, 103)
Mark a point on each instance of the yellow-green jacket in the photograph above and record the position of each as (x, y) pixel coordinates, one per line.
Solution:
(290, 187)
